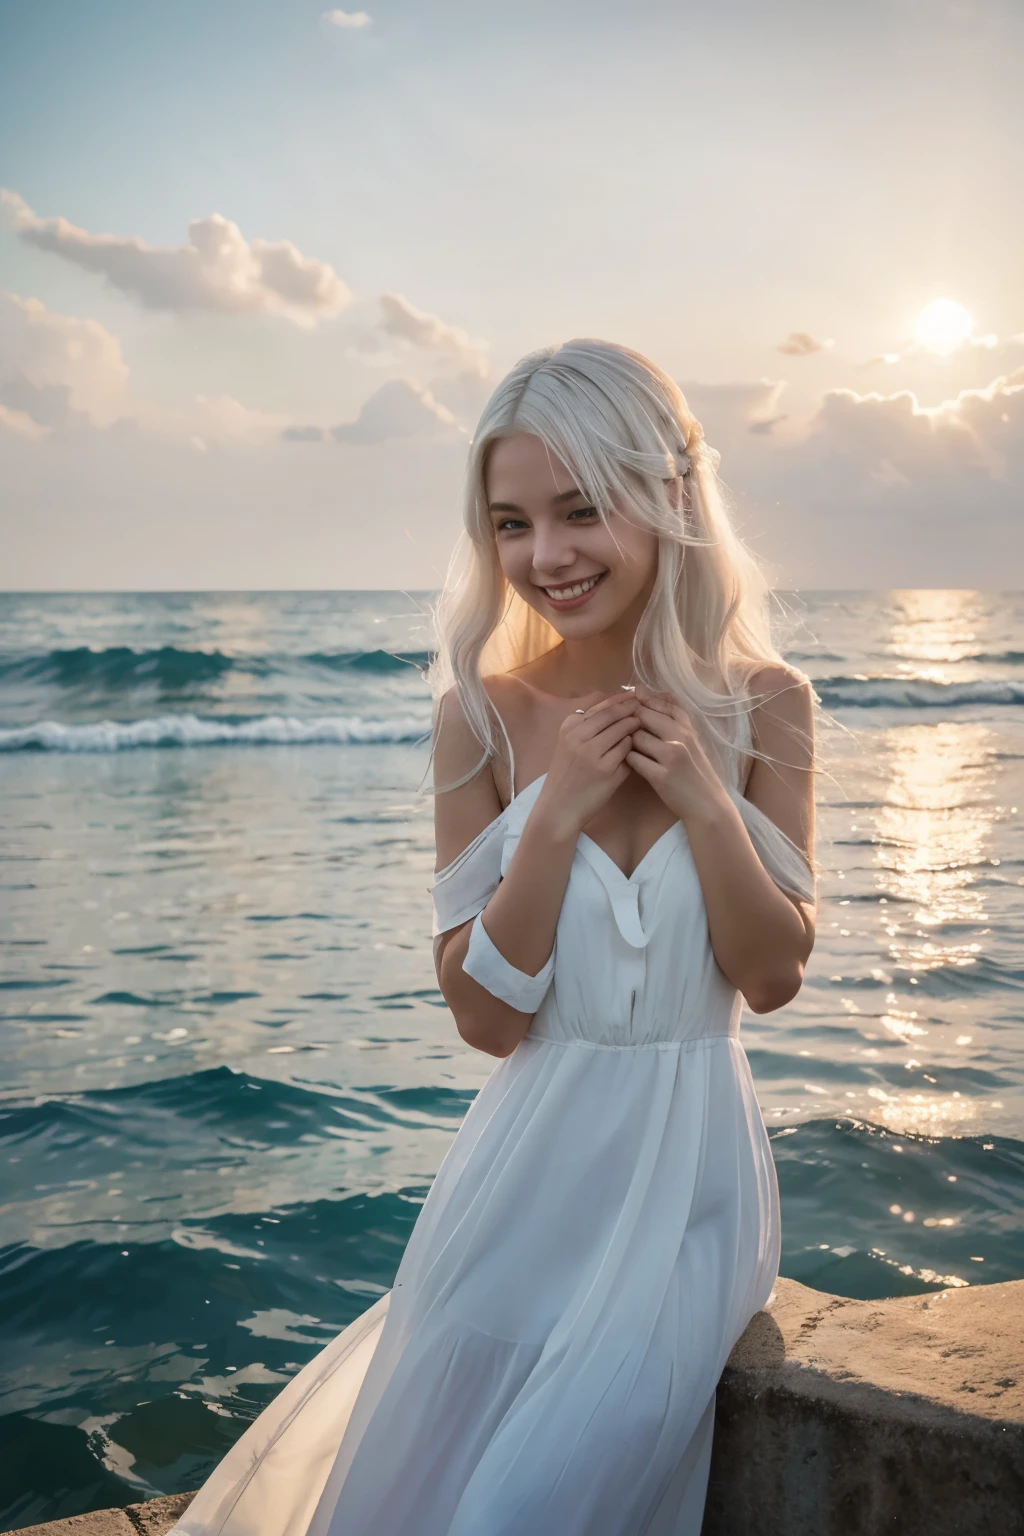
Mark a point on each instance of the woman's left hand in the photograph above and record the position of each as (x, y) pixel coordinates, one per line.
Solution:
(669, 754)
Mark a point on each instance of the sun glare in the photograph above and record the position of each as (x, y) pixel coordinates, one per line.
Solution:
(943, 326)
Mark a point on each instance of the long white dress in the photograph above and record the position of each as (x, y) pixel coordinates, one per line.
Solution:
(599, 1234)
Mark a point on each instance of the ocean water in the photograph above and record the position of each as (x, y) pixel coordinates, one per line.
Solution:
(227, 1076)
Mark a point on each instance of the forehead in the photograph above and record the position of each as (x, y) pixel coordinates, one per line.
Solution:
(521, 466)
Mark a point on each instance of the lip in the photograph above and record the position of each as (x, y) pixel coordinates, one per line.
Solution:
(563, 605)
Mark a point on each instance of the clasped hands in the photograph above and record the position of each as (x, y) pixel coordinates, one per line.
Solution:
(637, 731)
(669, 753)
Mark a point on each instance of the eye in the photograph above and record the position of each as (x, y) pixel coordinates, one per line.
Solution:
(584, 512)
(509, 525)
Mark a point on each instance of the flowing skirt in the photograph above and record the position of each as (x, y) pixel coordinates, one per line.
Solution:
(603, 1228)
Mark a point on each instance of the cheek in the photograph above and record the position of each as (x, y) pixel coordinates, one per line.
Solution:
(515, 557)
(636, 558)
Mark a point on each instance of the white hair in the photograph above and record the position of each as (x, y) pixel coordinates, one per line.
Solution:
(623, 429)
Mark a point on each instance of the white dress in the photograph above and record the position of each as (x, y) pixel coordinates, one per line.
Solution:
(599, 1234)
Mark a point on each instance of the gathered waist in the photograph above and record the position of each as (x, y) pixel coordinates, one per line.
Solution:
(636, 1029)
(586, 1044)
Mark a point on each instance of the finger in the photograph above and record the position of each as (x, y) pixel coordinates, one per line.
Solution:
(646, 767)
(618, 752)
(650, 695)
(612, 733)
(651, 746)
(593, 725)
(664, 704)
(660, 725)
(670, 727)
(609, 700)
(593, 719)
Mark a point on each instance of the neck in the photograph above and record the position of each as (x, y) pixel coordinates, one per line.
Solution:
(600, 664)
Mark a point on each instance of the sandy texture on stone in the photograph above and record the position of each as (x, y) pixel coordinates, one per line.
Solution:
(960, 1349)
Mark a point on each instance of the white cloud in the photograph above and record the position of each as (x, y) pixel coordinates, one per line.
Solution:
(465, 394)
(979, 433)
(400, 408)
(729, 410)
(212, 419)
(300, 434)
(60, 372)
(348, 20)
(402, 319)
(879, 490)
(20, 424)
(801, 344)
(53, 366)
(218, 270)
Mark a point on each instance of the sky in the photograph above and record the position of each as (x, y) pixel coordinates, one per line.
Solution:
(262, 263)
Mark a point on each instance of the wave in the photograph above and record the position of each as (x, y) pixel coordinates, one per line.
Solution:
(171, 668)
(914, 693)
(188, 730)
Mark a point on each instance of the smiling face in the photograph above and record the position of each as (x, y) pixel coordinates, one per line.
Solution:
(582, 574)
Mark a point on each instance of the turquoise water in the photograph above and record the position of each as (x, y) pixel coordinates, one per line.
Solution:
(228, 1076)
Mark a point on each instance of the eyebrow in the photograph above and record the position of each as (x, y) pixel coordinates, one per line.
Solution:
(556, 501)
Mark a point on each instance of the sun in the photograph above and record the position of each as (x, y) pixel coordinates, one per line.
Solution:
(943, 326)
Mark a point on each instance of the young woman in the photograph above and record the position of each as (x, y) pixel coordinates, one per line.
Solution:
(624, 817)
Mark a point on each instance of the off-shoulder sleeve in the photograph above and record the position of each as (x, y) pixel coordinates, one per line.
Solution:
(488, 966)
(781, 857)
(467, 884)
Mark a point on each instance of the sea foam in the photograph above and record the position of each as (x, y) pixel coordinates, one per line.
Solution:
(191, 731)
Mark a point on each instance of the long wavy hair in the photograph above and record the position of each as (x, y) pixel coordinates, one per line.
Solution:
(623, 429)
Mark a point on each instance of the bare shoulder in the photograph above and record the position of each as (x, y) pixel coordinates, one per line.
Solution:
(783, 730)
(783, 716)
(466, 797)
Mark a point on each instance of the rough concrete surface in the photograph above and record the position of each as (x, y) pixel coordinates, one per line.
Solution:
(836, 1418)
(150, 1519)
(853, 1418)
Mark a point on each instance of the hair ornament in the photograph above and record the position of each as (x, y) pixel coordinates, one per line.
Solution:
(691, 450)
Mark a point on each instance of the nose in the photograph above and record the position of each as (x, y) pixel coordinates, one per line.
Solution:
(554, 548)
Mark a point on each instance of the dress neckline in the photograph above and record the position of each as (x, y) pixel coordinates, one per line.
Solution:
(600, 859)
(590, 844)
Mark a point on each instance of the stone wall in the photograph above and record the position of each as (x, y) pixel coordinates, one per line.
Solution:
(854, 1418)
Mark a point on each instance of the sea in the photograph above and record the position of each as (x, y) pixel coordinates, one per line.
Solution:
(227, 1076)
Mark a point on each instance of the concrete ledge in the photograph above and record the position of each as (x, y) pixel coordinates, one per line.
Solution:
(836, 1418)
(853, 1418)
(150, 1519)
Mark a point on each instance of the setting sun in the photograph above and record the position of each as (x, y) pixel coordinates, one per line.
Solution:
(943, 326)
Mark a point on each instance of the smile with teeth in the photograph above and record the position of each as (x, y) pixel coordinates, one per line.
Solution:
(577, 589)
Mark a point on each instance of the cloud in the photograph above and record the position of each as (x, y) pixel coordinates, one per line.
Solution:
(349, 20)
(217, 271)
(893, 439)
(400, 408)
(55, 367)
(729, 410)
(303, 434)
(801, 344)
(60, 373)
(402, 319)
(21, 424)
(464, 393)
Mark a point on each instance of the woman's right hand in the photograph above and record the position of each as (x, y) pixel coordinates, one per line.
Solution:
(589, 763)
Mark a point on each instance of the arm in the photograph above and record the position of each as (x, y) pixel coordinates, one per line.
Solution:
(760, 936)
(521, 917)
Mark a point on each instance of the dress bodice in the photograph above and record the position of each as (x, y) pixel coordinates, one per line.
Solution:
(633, 961)
(633, 964)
